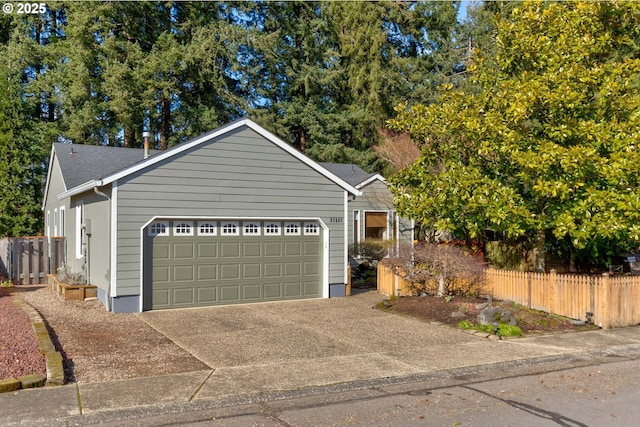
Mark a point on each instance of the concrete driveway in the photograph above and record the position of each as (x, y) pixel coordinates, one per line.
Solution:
(295, 344)
(239, 335)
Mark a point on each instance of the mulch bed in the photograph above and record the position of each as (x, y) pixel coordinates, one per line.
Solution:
(460, 308)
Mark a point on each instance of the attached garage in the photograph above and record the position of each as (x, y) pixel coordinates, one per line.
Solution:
(229, 261)
(235, 215)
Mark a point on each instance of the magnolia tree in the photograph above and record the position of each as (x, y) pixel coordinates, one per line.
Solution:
(545, 144)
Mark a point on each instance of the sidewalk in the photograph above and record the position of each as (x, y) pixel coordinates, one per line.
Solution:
(332, 361)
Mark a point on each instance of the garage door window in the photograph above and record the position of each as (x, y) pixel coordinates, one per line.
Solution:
(207, 229)
(159, 229)
(311, 229)
(272, 229)
(251, 229)
(183, 229)
(230, 229)
(291, 229)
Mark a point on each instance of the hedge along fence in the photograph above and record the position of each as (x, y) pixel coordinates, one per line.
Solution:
(608, 301)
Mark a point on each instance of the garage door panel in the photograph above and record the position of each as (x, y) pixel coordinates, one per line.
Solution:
(161, 297)
(183, 273)
(200, 270)
(207, 295)
(252, 249)
(311, 268)
(183, 296)
(292, 289)
(207, 272)
(311, 249)
(251, 292)
(230, 294)
(230, 250)
(311, 288)
(183, 251)
(272, 269)
(207, 250)
(251, 271)
(292, 249)
(273, 290)
(292, 269)
(161, 250)
(229, 271)
(161, 274)
(273, 249)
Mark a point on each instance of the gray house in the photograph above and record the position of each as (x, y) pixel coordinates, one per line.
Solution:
(371, 214)
(233, 216)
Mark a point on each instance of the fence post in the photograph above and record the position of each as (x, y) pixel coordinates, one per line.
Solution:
(528, 289)
(551, 288)
(606, 303)
(592, 299)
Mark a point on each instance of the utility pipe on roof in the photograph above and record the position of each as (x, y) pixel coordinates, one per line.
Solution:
(146, 135)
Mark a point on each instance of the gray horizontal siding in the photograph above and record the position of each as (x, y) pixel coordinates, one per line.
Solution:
(239, 175)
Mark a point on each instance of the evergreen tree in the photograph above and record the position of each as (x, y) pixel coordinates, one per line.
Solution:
(21, 153)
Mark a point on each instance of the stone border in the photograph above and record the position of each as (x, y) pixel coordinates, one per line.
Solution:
(53, 358)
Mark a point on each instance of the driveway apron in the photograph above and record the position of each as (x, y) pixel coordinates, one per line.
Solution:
(250, 334)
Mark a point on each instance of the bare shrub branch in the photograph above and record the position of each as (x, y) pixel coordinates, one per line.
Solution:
(440, 269)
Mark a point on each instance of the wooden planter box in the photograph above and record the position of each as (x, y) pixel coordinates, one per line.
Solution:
(72, 292)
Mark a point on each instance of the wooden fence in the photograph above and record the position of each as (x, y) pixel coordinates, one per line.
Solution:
(609, 301)
(28, 260)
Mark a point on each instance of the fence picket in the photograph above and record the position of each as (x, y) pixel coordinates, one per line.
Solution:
(28, 260)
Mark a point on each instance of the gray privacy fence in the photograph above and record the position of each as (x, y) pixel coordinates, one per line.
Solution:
(28, 260)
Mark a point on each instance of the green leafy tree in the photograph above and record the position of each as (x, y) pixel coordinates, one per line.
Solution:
(544, 145)
(21, 170)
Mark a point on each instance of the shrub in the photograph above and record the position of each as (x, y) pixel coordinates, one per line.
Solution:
(505, 330)
(65, 275)
(441, 269)
(370, 249)
(465, 324)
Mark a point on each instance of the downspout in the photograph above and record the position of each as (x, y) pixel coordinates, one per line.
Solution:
(107, 300)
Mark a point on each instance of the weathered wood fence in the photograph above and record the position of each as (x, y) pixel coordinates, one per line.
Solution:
(28, 260)
(609, 301)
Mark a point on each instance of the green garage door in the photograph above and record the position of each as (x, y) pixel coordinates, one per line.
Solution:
(201, 263)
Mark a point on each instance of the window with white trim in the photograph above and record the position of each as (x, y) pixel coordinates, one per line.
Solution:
(55, 222)
(272, 229)
(311, 229)
(251, 229)
(160, 228)
(291, 229)
(80, 235)
(207, 229)
(230, 229)
(183, 229)
(62, 221)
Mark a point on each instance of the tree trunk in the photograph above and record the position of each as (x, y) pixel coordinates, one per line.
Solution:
(441, 289)
(303, 141)
(540, 252)
(127, 138)
(165, 128)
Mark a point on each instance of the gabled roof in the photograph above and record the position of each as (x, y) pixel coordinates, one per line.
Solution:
(81, 163)
(353, 174)
(103, 175)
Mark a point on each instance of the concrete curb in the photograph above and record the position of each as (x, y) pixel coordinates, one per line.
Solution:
(53, 358)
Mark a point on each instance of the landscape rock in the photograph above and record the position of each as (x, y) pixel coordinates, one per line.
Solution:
(491, 315)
